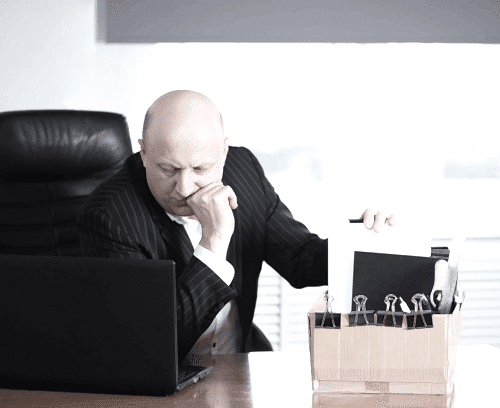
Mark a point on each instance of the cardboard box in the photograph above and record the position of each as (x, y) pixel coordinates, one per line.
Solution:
(379, 359)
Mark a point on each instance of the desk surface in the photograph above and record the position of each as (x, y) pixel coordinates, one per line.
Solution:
(281, 379)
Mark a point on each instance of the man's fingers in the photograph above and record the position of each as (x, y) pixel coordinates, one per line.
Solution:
(368, 218)
(222, 193)
(204, 191)
(380, 219)
(215, 191)
(377, 219)
(212, 206)
(228, 193)
(233, 201)
(209, 188)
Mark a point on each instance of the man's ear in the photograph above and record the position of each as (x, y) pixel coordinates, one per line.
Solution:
(143, 150)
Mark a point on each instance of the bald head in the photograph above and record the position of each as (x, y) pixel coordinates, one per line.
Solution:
(183, 148)
(179, 112)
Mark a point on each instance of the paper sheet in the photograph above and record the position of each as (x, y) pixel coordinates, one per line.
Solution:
(346, 238)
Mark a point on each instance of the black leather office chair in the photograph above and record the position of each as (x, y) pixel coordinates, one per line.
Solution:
(50, 160)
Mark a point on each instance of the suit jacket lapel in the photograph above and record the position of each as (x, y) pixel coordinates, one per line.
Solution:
(175, 237)
(177, 242)
(234, 257)
(234, 253)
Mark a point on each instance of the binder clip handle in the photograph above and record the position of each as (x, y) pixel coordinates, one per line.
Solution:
(328, 300)
(417, 300)
(390, 302)
(328, 309)
(360, 307)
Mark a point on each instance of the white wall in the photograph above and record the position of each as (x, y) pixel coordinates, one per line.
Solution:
(381, 119)
(391, 112)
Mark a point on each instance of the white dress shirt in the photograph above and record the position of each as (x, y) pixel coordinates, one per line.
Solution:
(224, 335)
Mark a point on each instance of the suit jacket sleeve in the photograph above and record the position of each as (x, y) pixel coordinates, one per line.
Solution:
(298, 255)
(201, 294)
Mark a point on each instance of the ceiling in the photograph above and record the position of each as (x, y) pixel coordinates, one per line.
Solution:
(317, 21)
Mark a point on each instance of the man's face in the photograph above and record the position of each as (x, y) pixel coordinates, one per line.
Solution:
(181, 160)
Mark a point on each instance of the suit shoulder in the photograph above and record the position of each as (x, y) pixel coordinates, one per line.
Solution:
(240, 152)
(244, 174)
(243, 159)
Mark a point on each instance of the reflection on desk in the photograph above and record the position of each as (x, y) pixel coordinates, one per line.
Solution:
(281, 379)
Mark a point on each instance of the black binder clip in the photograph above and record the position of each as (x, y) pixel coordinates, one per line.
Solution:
(368, 315)
(327, 319)
(390, 318)
(419, 318)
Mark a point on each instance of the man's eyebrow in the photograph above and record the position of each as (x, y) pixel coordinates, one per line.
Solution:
(174, 165)
(205, 164)
(166, 163)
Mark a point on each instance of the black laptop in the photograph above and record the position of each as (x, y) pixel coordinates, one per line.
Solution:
(90, 325)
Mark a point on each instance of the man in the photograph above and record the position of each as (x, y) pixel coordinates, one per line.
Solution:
(189, 197)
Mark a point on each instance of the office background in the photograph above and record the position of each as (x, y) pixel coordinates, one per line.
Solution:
(338, 127)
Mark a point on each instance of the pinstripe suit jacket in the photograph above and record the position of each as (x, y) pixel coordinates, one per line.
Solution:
(122, 219)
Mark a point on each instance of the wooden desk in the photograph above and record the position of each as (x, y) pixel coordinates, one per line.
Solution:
(281, 379)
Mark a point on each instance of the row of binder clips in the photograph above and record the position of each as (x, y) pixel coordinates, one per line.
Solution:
(420, 317)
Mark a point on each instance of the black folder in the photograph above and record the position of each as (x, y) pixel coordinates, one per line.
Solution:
(377, 275)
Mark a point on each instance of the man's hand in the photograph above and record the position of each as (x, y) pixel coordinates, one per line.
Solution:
(212, 205)
(377, 219)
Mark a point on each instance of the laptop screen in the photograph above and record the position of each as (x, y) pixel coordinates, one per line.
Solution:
(88, 324)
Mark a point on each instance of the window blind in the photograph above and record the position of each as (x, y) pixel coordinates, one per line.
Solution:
(282, 310)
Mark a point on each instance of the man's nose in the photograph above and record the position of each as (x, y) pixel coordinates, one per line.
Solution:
(185, 184)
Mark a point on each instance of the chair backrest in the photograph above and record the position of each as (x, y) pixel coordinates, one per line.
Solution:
(50, 160)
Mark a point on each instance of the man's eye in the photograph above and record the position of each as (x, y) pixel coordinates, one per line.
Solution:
(200, 169)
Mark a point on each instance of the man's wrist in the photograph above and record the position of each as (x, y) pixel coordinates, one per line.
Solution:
(216, 263)
(217, 245)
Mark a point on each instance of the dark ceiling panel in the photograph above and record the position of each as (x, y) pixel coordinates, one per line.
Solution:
(323, 21)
